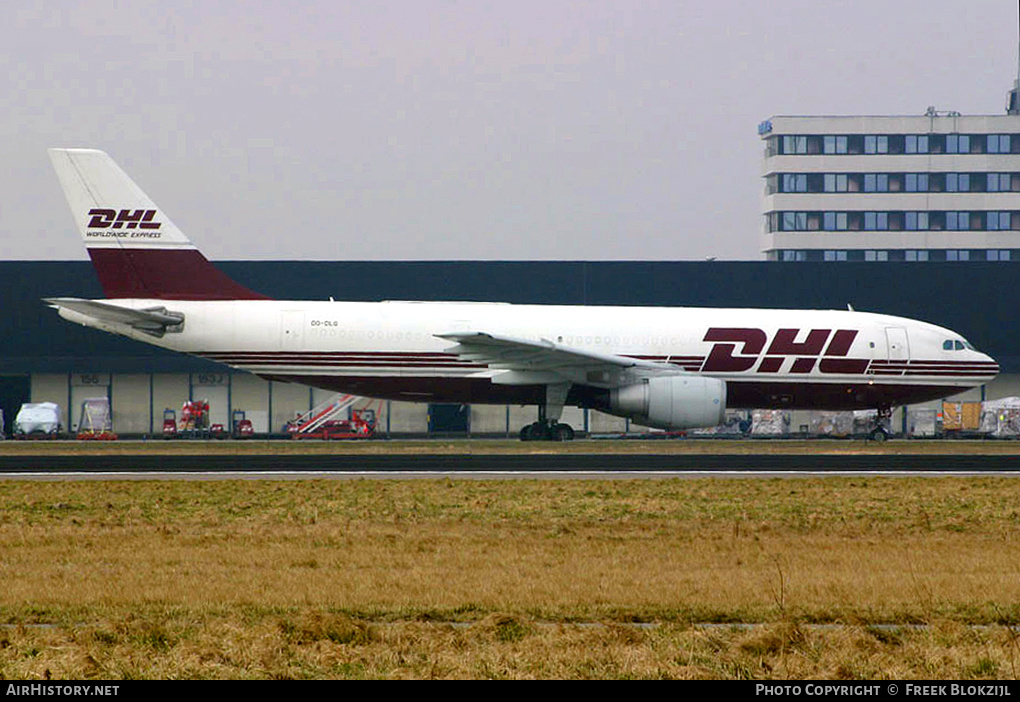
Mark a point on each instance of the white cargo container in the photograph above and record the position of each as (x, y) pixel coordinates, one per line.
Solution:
(38, 420)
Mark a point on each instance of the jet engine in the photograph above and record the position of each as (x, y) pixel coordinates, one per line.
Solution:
(671, 402)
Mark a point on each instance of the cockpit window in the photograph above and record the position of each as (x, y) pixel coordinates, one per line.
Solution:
(957, 345)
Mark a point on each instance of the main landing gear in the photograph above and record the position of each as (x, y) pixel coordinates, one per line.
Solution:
(548, 427)
(547, 431)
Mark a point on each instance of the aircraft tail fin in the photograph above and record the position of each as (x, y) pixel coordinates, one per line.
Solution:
(135, 248)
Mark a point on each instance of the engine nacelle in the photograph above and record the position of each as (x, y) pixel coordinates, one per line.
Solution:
(672, 402)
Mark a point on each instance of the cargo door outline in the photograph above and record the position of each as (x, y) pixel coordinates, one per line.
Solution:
(897, 345)
(292, 323)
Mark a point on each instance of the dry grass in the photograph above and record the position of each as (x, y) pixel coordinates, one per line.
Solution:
(174, 645)
(843, 578)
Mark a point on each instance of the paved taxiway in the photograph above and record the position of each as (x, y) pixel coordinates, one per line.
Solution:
(502, 459)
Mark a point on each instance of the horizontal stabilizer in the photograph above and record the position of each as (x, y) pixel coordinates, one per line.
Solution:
(155, 321)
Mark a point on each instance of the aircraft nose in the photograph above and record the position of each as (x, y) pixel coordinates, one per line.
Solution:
(990, 363)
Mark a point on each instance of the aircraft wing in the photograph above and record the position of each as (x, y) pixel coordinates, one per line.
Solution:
(151, 320)
(525, 362)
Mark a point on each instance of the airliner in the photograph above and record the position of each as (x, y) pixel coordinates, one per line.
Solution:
(667, 368)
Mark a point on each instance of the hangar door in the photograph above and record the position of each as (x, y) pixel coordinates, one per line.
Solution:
(449, 418)
(86, 386)
(15, 390)
(214, 388)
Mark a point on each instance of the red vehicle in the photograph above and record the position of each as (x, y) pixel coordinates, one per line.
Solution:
(169, 423)
(361, 425)
(243, 428)
(194, 422)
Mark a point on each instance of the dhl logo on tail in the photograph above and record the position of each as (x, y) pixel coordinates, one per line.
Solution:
(127, 219)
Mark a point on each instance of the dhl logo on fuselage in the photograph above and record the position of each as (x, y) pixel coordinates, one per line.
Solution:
(821, 347)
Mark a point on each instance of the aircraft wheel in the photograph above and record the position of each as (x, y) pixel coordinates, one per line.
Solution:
(563, 432)
(878, 434)
(534, 432)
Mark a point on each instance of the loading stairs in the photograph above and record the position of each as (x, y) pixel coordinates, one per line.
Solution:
(327, 411)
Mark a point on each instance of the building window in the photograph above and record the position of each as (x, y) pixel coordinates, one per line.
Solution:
(876, 182)
(794, 144)
(796, 222)
(957, 182)
(916, 220)
(870, 255)
(829, 221)
(997, 254)
(794, 255)
(915, 255)
(876, 221)
(998, 182)
(958, 221)
(917, 182)
(998, 144)
(834, 256)
(794, 182)
(834, 221)
(916, 144)
(834, 144)
(957, 144)
(957, 255)
(876, 144)
(998, 221)
(836, 182)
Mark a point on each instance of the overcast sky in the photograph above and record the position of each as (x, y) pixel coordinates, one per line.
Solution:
(428, 129)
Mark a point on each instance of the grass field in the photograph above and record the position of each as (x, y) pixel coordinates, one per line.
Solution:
(698, 578)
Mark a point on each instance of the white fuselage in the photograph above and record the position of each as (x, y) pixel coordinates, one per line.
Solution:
(768, 358)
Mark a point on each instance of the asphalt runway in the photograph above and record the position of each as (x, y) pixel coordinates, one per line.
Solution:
(503, 463)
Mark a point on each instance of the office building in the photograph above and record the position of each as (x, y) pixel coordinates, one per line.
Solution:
(934, 187)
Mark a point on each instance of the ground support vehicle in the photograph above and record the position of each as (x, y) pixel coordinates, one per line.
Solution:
(241, 426)
(361, 425)
(327, 421)
(169, 423)
(194, 421)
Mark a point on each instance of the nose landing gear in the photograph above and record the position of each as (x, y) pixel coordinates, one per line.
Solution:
(881, 431)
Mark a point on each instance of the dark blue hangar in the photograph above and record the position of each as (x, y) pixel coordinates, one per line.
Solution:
(45, 359)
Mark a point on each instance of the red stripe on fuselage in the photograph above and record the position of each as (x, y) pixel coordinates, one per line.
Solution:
(438, 360)
(740, 394)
